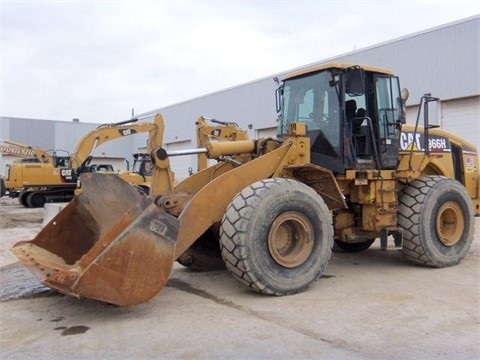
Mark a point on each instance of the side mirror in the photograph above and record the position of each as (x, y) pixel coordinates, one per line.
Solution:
(355, 81)
(279, 98)
(404, 94)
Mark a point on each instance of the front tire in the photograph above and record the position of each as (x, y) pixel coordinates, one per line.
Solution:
(436, 215)
(276, 236)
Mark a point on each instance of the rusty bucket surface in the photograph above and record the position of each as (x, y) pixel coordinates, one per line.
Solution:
(109, 243)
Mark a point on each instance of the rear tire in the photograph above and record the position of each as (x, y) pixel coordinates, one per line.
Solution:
(276, 236)
(204, 254)
(436, 215)
(352, 247)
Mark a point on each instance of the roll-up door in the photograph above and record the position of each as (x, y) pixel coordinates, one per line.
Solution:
(462, 117)
(267, 133)
(181, 164)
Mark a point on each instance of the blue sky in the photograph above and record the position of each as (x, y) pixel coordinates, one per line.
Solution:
(96, 60)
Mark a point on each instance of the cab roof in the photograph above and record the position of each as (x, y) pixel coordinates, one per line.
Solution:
(319, 67)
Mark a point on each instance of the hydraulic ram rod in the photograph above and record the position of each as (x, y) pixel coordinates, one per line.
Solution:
(215, 149)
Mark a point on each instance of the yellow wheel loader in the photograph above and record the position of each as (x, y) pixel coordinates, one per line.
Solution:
(344, 171)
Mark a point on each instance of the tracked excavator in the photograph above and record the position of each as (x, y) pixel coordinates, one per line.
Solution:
(26, 153)
(36, 183)
(344, 171)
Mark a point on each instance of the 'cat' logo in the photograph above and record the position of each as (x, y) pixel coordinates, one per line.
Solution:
(409, 140)
(126, 132)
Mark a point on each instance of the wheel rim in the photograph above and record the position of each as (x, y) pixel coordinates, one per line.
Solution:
(290, 239)
(450, 223)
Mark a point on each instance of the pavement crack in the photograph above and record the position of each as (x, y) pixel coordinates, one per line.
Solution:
(184, 286)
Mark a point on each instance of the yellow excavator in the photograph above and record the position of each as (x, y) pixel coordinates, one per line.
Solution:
(36, 183)
(343, 171)
(27, 154)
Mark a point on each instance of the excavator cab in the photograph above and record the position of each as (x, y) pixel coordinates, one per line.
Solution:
(61, 161)
(142, 164)
(353, 116)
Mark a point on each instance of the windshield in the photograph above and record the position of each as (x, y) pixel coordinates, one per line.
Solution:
(143, 166)
(312, 100)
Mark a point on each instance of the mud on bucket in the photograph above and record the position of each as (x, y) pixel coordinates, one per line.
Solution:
(109, 243)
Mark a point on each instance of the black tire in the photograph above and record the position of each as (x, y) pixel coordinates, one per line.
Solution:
(342, 246)
(35, 200)
(204, 254)
(301, 221)
(436, 215)
(22, 198)
(3, 189)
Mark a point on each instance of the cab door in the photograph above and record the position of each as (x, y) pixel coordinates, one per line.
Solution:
(388, 114)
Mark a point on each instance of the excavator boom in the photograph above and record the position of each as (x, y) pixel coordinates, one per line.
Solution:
(109, 132)
(24, 151)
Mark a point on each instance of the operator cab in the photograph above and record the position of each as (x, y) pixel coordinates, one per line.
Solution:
(60, 161)
(353, 115)
(142, 164)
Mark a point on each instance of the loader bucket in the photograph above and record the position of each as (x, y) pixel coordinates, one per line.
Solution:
(109, 243)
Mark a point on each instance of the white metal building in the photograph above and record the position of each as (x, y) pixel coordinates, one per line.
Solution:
(443, 61)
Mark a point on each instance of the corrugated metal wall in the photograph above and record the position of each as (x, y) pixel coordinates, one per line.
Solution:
(444, 61)
(35, 133)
